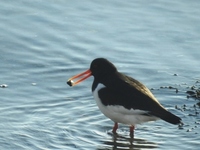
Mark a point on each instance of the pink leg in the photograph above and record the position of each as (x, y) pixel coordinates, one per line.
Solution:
(132, 128)
(115, 127)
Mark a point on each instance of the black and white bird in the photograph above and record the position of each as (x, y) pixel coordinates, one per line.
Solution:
(122, 98)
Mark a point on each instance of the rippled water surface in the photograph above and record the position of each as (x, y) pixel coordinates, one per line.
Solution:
(43, 43)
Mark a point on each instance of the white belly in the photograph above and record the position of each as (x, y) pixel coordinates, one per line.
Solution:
(120, 114)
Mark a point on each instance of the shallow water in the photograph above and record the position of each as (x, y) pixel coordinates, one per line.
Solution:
(43, 43)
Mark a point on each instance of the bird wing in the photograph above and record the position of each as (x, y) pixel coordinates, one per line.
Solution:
(132, 94)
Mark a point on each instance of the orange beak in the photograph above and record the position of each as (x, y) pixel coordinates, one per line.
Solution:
(82, 77)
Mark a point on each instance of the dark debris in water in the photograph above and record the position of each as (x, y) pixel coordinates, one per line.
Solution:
(169, 87)
(193, 112)
(191, 109)
(192, 129)
(3, 85)
(198, 104)
(194, 91)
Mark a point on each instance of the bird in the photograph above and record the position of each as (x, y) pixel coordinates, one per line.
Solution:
(122, 98)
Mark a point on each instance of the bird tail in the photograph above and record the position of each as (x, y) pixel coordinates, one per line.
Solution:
(167, 116)
(171, 118)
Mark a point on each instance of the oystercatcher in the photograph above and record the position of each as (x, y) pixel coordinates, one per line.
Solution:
(122, 98)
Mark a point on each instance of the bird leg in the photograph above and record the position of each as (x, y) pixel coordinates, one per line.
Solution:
(115, 127)
(132, 128)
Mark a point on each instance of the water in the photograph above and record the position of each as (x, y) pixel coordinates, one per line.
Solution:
(43, 43)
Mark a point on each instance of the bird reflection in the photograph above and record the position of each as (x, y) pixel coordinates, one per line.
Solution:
(118, 142)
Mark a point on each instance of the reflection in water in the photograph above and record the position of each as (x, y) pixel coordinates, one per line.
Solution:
(118, 142)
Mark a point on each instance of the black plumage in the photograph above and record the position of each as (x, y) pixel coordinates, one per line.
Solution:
(127, 92)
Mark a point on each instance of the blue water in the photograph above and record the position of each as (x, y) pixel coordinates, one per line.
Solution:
(43, 43)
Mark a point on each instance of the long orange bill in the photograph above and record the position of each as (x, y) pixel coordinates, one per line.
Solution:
(82, 77)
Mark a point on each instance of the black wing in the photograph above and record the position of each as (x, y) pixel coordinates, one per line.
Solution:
(132, 94)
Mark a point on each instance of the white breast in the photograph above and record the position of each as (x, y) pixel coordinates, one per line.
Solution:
(119, 113)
